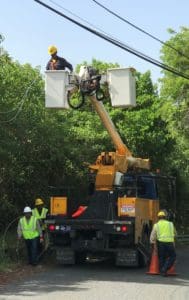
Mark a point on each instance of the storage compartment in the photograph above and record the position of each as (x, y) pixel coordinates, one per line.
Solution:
(126, 206)
(122, 88)
(58, 206)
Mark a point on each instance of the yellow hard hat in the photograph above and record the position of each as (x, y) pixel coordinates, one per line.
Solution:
(52, 50)
(39, 201)
(161, 214)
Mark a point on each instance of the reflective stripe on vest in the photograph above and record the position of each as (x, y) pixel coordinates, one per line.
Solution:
(39, 216)
(29, 229)
(165, 231)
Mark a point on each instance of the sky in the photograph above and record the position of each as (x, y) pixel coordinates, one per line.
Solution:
(29, 29)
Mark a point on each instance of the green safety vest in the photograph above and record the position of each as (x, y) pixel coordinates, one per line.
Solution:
(29, 229)
(165, 231)
(43, 214)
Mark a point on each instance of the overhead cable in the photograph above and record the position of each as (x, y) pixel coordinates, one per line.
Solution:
(84, 20)
(73, 14)
(140, 29)
(117, 43)
(21, 103)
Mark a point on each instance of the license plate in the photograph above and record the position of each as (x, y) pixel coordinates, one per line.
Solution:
(65, 228)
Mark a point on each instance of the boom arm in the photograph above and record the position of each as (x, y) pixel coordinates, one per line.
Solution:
(109, 125)
(108, 163)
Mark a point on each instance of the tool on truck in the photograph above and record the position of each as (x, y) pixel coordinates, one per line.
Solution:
(123, 204)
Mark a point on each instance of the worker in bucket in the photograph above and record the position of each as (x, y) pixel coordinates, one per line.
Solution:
(30, 230)
(56, 62)
(163, 236)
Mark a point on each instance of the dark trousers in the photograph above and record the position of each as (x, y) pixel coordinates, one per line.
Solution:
(41, 245)
(32, 250)
(167, 255)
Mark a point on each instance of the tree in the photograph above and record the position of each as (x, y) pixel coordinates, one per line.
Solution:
(175, 109)
(45, 151)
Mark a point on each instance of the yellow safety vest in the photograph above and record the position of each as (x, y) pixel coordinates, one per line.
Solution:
(43, 214)
(165, 231)
(29, 229)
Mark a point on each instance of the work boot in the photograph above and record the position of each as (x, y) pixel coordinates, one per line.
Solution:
(163, 272)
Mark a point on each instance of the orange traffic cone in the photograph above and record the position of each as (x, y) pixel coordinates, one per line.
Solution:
(154, 264)
(171, 271)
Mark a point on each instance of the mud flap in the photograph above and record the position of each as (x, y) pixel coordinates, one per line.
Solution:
(127, 258)
(65, 256)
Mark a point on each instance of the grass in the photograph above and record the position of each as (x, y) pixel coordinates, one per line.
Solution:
(10, 251)
(6, 264)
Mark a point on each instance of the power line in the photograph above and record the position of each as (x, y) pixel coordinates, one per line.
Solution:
(84, 20)
(20, 104)
(117, 43)
(70, 12)
(140, 29)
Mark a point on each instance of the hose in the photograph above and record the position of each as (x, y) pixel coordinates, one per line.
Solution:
(5, 233)
(46, 246)
(17, 250)
(100, 94)
(80, 96)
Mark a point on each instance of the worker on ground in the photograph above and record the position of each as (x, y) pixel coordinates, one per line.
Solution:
(56, 62)
(162, 237)
(30, 230)
(40, 213)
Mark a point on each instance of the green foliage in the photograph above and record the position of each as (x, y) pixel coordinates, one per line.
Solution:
(175, 110)
(41, 149)
(98, 65)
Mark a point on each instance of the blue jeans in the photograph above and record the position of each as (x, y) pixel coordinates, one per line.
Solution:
(167, 256)
(32, 250)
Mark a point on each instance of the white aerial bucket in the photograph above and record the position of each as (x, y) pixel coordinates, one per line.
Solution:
(56, 89)
(122, 88)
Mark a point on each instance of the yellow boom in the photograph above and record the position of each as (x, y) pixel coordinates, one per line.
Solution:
(108, 163)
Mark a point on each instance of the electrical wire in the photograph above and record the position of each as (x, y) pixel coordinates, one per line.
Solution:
(21, 104)
(73, 14)
(140, 29)
(5, 233)
(9, 111)
(84, 20)
(117, 43)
